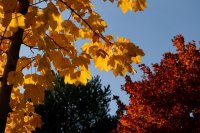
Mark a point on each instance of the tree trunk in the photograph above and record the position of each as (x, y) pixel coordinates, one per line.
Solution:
(12, 58)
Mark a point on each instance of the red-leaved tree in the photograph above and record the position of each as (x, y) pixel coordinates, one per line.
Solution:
(167, 99)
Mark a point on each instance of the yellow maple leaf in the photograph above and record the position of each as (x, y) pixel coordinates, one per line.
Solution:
(9, 5)
(31, 79)
(82, 60)
(85, 33)
(49, 43)
(43, 63)
(27, 118)
(96, 22)
(128, 5)
(54, 17)
(85, 47)
(15, 78)
(136, 59)
(23, 62)
(30, 17)
(102, 63)
(84, 75)
(69, 27)
(59, 61)
(14, 21)
(139, 5)
(69, 79)
(13, 96)
(125, 5)
(34, 92)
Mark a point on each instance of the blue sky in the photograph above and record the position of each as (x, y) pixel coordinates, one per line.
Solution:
(152, 30)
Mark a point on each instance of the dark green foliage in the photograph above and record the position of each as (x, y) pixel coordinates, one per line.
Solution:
(77, 109)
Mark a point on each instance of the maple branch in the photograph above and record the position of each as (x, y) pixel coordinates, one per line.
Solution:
(70, 16)
(27, 34)
(31, 47)
(37, 3)
(3, 36)
(78, 15)
(27, 64)
(96, 33)
(57, 43)
(34, 4)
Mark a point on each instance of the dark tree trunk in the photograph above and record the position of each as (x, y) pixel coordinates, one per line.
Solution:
(12, 58)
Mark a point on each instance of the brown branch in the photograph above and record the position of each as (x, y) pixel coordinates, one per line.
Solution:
(26, 65)
(3, 36)
(59, 47)
(37, 3)
(31, 47)
(57, 43)
(78, 15)
(96, 33)
(69, 16)
(26, 34)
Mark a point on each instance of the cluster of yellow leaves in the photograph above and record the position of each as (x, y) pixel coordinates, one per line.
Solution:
(10, 19)
(33, 84)
(116, 56)
(22, 119)
(129, 5)
(52, 40)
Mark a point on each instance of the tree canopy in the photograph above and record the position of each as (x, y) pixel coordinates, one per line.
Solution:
(167, 99)
(76, 109)
(51, 38)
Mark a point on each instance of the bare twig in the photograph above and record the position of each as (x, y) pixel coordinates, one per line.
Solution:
(70, 15)
(37, 3)
(31, 47)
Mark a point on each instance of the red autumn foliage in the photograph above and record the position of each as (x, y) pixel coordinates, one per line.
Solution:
(167, 99)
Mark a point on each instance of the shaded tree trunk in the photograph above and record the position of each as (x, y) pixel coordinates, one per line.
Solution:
(12, 58)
